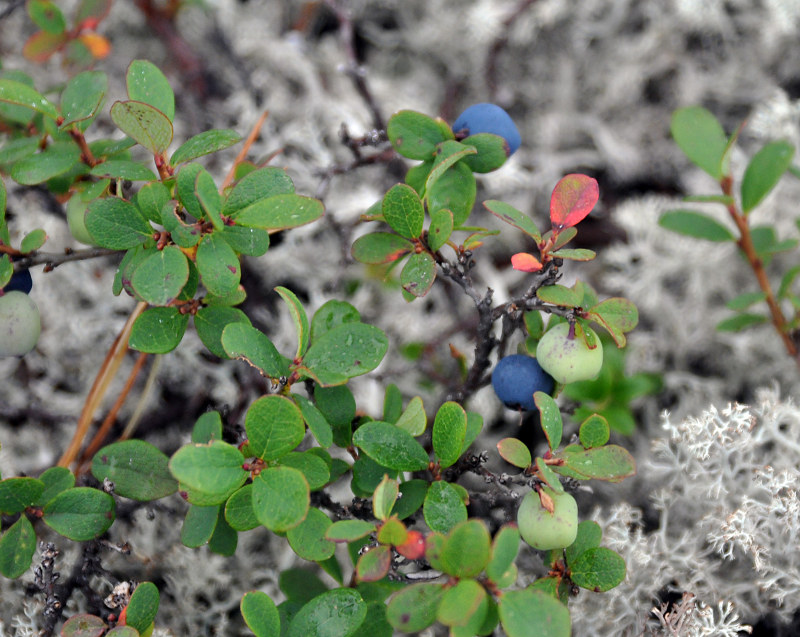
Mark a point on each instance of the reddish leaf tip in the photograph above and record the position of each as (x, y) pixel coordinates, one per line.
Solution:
(525, 262)
(572, 200)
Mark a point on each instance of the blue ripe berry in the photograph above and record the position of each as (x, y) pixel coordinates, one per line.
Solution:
(516, 378)
(488, 118)
(20, 281)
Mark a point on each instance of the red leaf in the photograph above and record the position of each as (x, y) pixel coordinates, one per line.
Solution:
(573, 198)
(525, 262)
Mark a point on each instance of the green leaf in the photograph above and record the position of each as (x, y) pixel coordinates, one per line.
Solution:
(210, 323)
(440, 229)
(56, 159)
(466, 550)
(559, 295)
(299, 318)
(416, 178)
(218, 265)
(380, 247)
(280, 498)
(413, 419)
(117, 224)
(589, 536)
(504, 551)
(610, 463)
(307, 539)
(384, 497)
(14, 92)
(462, 606)
(158, 330)
(239, 510)
(455, 191)
(418, 274)
(577, 254)
(402, 209)
(594, 432)
(412, 496)
(701, 137)
(210, 200)
(274, 426)
(47, 16)
(474, 426)
(346, 351)
(147, 125)
(16, 494)
(519, 610)
(391, 446)
(280, 212)
(252, 242)
(414, 608)
(741, 322)
(81, 625)
(598, 569)
(695, 224)
(349, 530)
(260, 614)
(550, 417)
(160, 278)
(80, 513)
(617, 315)
(492, 152)
(413, 134)
(56, 480)
(260, 184)
(123, 169)
(249, 344)
(443, 507)
(315, 420)
(205, 143)
(32, 241)
(214, 468)
(138, 470)
(83, 96)
(199, 524)
(207, 428)
(509, 214)
(331, 314)
(336, 613)
(374, 563)
(17, 546)
(745, 300)
(339, 408)
(185, 182)
(449, 430)
(300, 585)
(447, 154)
(143, 607)
(763, 172)
(146, 83)
(515, 452)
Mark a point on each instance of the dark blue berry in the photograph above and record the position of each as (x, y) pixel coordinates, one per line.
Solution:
(20, 281)
(516, 378)
(488, 118)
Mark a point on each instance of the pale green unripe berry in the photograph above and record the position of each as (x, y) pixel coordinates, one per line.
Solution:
(20, 324)
(569, 359)
(76, 209)
(544, 530)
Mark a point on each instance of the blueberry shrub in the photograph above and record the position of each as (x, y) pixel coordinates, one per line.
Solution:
(398, 514)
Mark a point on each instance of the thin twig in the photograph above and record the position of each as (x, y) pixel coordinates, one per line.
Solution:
(100, 386)
(745, 243)
(251, 138)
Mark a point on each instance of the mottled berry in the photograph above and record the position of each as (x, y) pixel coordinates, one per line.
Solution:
(488, 118)
(517, 378)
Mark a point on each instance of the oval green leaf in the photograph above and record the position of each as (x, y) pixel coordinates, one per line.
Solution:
(280, 498)
(138, 470)
(391, 446)
(80, 513)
